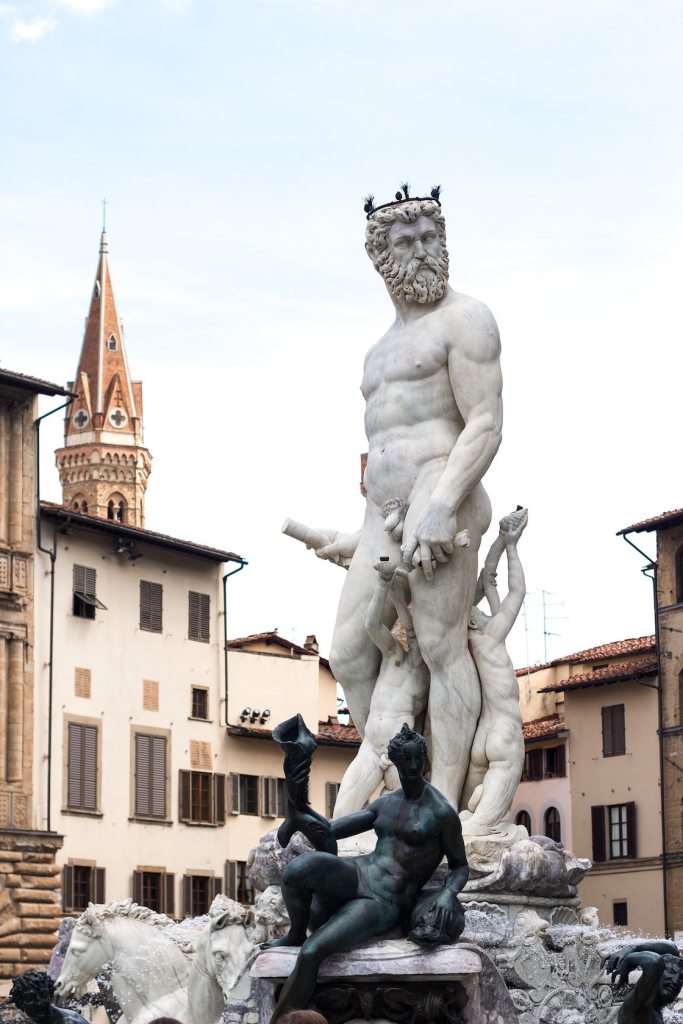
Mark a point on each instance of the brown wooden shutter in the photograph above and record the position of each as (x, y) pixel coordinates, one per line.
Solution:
(188, 909)
(631, 834)
(98, 886)
(234, 792)
(205, 617)
(216, 887)
(151, 606)
(535, 764)
(142, 774)
(561, 761)
(231, 879)
(89, 768)
(269, 797)
(185, 796)
(67, 888)
(85, 580)
(168, 891)
(219, 799)
(193, 615)
(74, 765)
(619, 729)
(137, 886)
(331, 789)
(598, 831)
(158, 776)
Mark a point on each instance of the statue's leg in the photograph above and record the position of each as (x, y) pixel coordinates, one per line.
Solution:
(505, 758)
(441, 611)
(360, 781)
(355, 922)
(354, 659)
(321, 874)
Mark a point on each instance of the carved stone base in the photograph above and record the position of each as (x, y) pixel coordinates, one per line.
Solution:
(30, 900)
(392, 980)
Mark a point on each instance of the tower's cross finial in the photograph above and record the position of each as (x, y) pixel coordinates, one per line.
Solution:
(104, 215)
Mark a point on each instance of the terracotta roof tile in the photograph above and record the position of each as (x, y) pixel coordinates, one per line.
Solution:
(330, 733)
(188, 547)
(643, 666)
(616, 649)
(656, 523)
(34, 384)
(540, 728)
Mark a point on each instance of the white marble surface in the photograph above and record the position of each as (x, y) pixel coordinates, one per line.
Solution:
(390, 958)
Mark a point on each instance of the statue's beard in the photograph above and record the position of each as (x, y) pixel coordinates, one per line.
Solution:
(418, 281)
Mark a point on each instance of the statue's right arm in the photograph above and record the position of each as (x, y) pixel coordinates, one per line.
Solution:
(652, 967)
(332, 545)
(354, 824)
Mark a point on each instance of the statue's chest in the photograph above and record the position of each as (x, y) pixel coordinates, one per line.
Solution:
(406, 355)
(414, 826)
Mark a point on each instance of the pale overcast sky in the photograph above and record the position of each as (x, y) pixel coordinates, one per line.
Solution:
(234, 142)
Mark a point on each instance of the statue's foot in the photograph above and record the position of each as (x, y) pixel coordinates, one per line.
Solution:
(284, 940)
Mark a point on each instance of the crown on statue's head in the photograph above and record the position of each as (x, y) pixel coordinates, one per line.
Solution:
(402, 196)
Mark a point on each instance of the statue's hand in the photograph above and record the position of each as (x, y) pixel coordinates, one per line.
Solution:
(432, 538)
(340, 548)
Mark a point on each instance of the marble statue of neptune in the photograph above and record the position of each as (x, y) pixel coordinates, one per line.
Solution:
(432, 387)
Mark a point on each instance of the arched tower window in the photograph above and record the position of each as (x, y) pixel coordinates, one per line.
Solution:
(121, 511)
(110, 510)
(524, 818)
(551, 824)
(679, 576)
(111, 343)
(116, 509)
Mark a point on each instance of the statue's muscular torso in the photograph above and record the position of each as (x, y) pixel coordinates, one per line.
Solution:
(411, 415)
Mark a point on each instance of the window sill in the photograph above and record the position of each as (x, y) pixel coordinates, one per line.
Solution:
(198, 640)
(150, 821)
(79, 813)
(193, 718)
(201, 824)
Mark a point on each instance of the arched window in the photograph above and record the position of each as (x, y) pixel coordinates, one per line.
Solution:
(110, 510)
(111, 343)
(524, 818)
(551, 824)
(121, 512)
(84, 506)
(679, 576)
(75, 506)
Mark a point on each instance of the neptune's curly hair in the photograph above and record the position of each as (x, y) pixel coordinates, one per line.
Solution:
(406, 735)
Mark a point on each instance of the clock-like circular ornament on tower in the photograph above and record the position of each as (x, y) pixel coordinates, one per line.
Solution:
(118, 418)
(81, 419)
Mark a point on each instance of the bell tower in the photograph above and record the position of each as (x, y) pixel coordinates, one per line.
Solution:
(104, 466)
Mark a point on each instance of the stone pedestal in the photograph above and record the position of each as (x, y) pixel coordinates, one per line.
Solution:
(30, 900)
(448, 985)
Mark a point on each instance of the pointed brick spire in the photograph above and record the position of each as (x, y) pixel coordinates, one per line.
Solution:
(104, 466)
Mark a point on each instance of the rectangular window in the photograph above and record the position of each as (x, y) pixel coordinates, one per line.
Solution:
(156, 890)
(151, 597)
(200, 703)
(331, 793)
(199, 613)
(237, 884)
(622, 830)
(82, 767)
(81, 884)
(202, 798)
(150, 776)
(248, 794)
(554, 763)
(613, 731)
(620, 913)
(198, 893)
(533, 766)
(85, 592)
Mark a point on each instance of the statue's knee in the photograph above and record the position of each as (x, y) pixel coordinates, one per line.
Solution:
(294, 872)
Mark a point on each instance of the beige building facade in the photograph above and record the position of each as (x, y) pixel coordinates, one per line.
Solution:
(604, 702)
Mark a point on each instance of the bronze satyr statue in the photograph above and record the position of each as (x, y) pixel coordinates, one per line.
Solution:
(33, 992)
(347, 901)
(658, 985)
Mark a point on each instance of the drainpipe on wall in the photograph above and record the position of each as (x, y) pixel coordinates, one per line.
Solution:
(225, 631)
(652, 565)
(52, 555)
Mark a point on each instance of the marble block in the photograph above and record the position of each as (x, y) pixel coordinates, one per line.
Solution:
(462, 974)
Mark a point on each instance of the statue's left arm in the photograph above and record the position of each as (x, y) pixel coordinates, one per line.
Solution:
(474, 370)
(440, 917)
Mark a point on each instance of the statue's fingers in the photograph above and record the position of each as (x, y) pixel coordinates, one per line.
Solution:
(409, 549)
(425, 558)
(439, 554)
(397, 532)
(448, 547)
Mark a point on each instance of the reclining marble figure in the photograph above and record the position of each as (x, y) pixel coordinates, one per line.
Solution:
(347, 901)
(432, 387)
